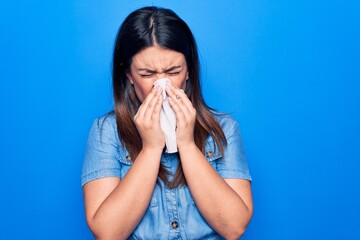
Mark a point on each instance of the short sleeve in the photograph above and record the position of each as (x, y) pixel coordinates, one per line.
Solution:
(234, 163)
(101, 151)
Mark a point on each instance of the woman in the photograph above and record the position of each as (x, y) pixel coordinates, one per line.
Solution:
(132, 187)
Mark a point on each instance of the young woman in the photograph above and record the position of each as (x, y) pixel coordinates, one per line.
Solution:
(133, 188)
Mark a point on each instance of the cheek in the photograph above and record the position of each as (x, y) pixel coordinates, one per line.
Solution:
(142, 90)
(183, 86)
(179, 82)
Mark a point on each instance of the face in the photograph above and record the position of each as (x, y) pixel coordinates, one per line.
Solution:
(153, 63)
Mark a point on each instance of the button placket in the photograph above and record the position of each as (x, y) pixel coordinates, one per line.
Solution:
(172, 210)
(174, 224)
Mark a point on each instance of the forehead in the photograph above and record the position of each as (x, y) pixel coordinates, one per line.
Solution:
(157, 58)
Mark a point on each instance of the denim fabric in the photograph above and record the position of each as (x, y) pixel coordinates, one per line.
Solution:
(105, 156)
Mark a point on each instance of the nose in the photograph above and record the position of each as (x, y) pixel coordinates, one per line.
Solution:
(160, 75)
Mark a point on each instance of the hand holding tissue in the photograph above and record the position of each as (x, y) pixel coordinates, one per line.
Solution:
(167, 117)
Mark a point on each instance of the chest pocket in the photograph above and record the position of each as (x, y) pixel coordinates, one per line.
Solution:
(212, 153)
(123, 157)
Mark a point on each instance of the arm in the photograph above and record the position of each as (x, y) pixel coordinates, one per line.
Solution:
(225, 204)
(114, 207)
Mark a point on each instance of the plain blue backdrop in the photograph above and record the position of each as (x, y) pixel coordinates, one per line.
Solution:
(287, 71)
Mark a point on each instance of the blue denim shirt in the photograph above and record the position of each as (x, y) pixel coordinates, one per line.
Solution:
(172, 213)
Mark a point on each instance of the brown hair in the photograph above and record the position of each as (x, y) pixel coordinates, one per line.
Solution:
(144, 28)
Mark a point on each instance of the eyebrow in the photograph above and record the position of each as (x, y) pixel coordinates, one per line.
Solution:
(165, 71)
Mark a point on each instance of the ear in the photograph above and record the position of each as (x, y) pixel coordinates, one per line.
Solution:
(187, 76)
(128, 74)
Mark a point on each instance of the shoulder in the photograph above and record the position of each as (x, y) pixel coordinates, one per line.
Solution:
(105, 125)
(106, 122)
(226, 122)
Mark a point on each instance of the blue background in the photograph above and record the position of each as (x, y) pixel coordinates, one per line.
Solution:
(287, 71)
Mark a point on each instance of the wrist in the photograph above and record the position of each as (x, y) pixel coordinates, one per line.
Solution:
(185, 148)
(152, 151)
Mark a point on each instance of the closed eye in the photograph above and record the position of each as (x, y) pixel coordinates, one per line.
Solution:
(173, 73)
(147, 75)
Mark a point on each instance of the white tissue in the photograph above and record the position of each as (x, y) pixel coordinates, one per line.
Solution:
(167, 117)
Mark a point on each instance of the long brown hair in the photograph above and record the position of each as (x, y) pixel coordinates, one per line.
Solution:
(144, 28)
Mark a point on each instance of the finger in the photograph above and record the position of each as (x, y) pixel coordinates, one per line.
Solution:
(180, 99)
(150, 107)
(178, 95)
(180, 116)
(157, 109)
(146, 102)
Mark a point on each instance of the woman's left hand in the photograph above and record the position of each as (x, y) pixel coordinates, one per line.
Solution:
(185, 116)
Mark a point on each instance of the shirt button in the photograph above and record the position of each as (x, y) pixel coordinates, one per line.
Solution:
(209, 154)
(128, 158)
(174, 225)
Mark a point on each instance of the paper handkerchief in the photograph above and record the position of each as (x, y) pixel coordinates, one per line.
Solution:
(167, 117)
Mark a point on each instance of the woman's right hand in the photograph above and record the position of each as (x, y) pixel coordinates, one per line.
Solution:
(147, 121)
